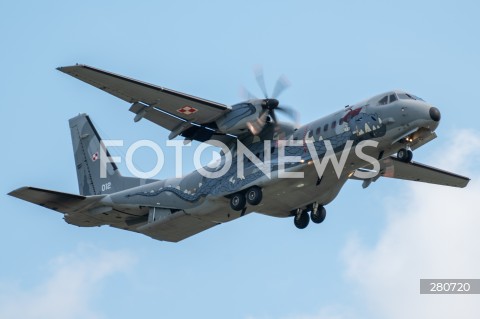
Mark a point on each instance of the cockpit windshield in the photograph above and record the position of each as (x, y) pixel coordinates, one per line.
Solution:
(394, 96)
(389, 98)
(408, 96)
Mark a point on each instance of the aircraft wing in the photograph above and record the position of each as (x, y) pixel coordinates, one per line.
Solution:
(392, 167)
(183, 114)
(177, 227)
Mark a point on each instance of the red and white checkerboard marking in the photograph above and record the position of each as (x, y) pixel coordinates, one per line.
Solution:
(187, 110)
(95, 157)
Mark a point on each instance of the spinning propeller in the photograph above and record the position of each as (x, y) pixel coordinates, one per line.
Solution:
(269, 104)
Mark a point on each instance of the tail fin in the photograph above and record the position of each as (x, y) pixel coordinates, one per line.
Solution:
(86, 147)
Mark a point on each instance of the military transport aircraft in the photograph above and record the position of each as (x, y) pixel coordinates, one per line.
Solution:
(176, 208)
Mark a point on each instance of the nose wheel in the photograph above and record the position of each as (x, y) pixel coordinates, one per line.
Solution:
(318, 213)
(405, 155)
(302, 218)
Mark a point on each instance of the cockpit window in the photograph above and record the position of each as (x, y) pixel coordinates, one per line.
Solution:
(383, 101)
(393, 98)
(408, 96)
(417, 98)
(405, 96)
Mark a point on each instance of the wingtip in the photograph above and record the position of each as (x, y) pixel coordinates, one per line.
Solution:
(467, 181)
(15, 192)
(64, 68)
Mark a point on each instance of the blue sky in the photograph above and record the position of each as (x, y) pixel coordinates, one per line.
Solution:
(363, 262)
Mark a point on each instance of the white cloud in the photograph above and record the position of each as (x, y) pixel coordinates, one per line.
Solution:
(68, 292)
(432, 232)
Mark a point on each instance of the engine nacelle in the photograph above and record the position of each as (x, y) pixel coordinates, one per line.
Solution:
(235, 122)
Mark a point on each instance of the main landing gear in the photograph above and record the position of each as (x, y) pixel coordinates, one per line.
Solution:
(252, 196)
(405, 155)
(317, 215)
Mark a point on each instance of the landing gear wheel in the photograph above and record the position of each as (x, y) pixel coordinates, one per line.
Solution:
(301, 219)
(405, 155)
(254, 195)
(238, 201)
(410, 156)
(319, 215)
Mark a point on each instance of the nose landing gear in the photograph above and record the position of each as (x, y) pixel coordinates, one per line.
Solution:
(317, 215)
(301, 218)
(405, 155)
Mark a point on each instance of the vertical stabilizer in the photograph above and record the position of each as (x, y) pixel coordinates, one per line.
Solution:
(87, 151)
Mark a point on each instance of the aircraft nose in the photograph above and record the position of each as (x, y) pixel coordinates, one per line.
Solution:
(435, 114)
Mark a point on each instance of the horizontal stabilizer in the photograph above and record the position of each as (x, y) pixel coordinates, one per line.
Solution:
(58, 201)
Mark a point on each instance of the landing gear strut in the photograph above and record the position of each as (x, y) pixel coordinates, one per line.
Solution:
(405, 155)
(301, 218)
(318, 213)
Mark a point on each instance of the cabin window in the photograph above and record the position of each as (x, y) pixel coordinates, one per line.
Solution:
(340, 121)
(325, 128)
(318, 131)
(310, 133)
(334, 124)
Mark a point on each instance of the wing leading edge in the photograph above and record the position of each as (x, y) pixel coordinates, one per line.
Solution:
(392, 167)
(183, 114)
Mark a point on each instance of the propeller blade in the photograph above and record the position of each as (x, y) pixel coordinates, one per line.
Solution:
(281, 85)
(246, 94)
(290, 112)
(261, 80)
